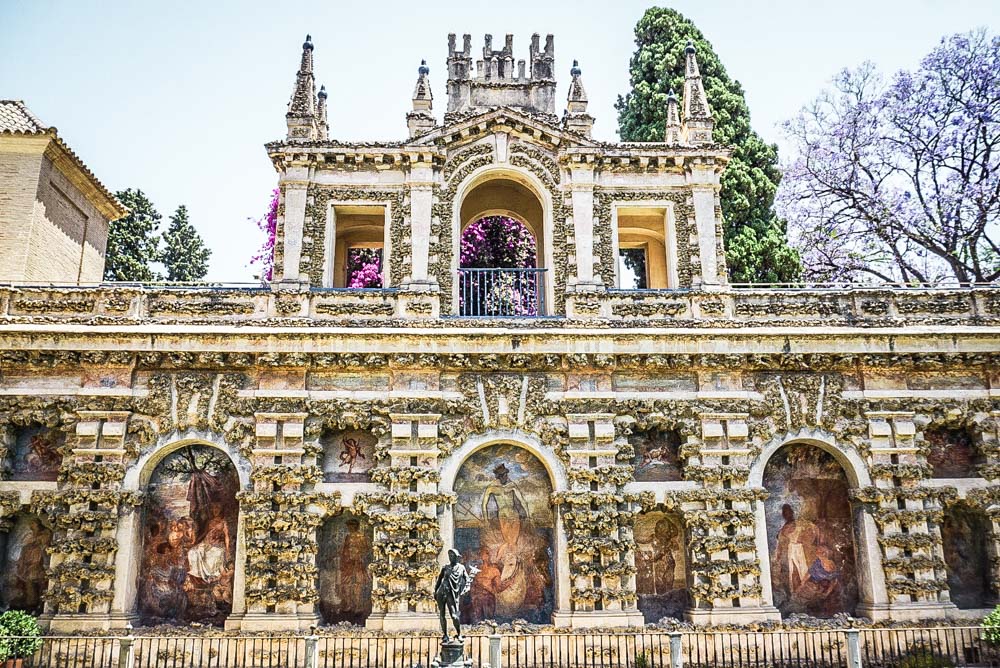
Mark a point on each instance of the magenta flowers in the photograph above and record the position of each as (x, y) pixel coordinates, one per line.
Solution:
(269, 224)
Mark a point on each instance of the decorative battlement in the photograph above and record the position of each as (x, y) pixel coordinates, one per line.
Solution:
(499, 80)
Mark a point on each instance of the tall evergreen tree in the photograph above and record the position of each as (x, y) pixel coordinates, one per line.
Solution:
(184, 254)
(133, 240)
(757, 249)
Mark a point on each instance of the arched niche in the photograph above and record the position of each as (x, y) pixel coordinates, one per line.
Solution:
(343, 555)
(189, 537)
(810, 532)
(23, 562)
(504, 525)
(965, 537)
(661, 566)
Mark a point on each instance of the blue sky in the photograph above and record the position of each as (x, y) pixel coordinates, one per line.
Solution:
(178, 98)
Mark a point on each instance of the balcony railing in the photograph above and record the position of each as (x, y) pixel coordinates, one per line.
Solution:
(501, 293)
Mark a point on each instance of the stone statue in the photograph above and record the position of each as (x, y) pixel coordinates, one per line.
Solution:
(453, 582)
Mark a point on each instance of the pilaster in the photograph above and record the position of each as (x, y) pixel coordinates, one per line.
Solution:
(294, 194)
(85, 513)
(908, 518)
(280, 516)
(582, 192)
(724, 519)
(597, 518)
(408, 541)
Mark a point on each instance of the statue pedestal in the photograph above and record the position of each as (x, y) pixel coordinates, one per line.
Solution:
(452, 656)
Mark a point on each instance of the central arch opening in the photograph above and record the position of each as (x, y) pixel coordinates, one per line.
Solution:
(810, 532)
(501, 250)
(504, 525)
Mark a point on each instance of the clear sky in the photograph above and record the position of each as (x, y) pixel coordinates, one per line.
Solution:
(178, 98)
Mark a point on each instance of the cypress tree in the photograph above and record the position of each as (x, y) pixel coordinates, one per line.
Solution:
(757, 249)
(184, 254)
(133, 240)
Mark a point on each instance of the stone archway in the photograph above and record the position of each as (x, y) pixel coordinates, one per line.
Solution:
(189, 537)
(810, 532)
(504, 525)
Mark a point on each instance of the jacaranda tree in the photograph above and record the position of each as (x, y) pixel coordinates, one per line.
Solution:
(898, 179)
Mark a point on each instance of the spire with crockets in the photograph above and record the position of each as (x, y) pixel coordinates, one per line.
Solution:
(698, 123)
(301, 117)
(421, 119)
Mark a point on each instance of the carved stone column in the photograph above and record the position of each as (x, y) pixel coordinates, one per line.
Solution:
(725, 524)
(85, 513)
(408, 541)
(597, 518)
(280, 516)
(908, 518)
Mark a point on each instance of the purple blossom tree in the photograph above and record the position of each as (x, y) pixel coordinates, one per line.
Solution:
(269, 225)
(364, 268)
(899, 179)
(498, 242)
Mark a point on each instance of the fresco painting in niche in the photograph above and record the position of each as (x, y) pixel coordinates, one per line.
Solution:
(952, 453)
(345, 585)
(35, 453)
(964, 533)
(189, 540)
(660, 566)
(24, 582)
(347, 456)
(810, 533)
(656, 455)
(504, 526)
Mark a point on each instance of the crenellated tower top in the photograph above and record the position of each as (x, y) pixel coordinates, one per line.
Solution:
(499, 80)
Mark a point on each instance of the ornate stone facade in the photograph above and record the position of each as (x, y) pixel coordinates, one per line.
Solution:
(654, 414)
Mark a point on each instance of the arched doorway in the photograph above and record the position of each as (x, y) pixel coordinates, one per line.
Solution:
(343, 556)
(505, 526)
(189, 538)
(964, 535)
(810, 532)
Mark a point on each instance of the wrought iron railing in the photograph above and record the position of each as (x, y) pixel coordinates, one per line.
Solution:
(932, 647)
(501, 293)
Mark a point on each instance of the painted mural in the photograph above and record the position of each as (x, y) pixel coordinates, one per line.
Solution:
(660, 566)
(345, 585)
(35, 454)
(347, 456)
(25, 558)
(656, 455)
(964, 533)
(504, 526)
(952, 453)
(189, 538)
(810, 533)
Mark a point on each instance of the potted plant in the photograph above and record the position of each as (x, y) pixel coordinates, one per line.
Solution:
(20, 637)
